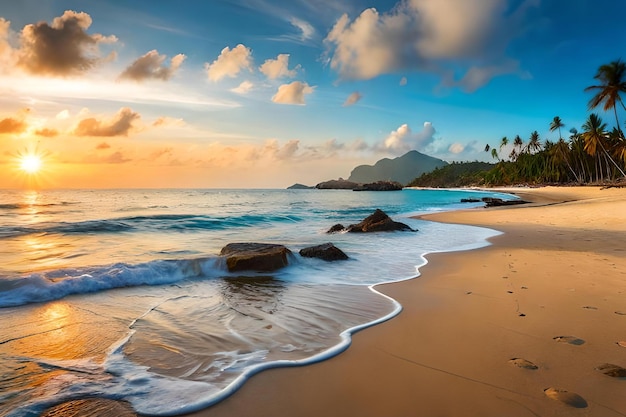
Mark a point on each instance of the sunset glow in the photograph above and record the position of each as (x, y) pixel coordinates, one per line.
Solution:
(31, 164)
(265, 93)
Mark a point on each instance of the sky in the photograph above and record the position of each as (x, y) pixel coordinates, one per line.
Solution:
(268, 93)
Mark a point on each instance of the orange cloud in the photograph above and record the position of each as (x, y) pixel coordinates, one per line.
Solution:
(62, 48)
(11, 125)
(229, 63)
(151, 65)
(120, 125)
(292, 93)
(46, 132)
(103, 145)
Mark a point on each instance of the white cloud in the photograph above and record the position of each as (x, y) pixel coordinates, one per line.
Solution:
(293, 93)
(307, 30)
(243, 88)
(352, 99)
(403, 139)
(456, 148)
(229, 63)
(435, 36)
(278, 68)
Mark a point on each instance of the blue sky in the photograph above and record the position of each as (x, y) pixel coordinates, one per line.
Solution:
(260, 93)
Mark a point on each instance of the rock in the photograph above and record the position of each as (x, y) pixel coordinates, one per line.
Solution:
(339, 184)
(470, 200)
(326, 251)
(298, 186)
(255, 256)
(496, 202)
(336, 228)
(614, 371)
(380, 186)
(377, 222)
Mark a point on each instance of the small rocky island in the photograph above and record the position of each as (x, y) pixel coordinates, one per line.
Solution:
(341, 184)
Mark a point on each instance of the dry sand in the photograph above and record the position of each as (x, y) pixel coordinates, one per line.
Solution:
(551, 290)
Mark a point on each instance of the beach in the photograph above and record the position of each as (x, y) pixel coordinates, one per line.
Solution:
(550, 290)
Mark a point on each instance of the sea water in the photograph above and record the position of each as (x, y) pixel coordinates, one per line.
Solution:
(121, 294)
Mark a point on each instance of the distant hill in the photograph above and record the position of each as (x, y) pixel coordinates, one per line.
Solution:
(298, 186)
(403, 169)
(456, 174)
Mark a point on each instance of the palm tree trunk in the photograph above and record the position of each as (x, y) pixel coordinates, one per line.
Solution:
(611, 159)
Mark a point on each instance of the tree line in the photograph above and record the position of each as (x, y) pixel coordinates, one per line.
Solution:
(594, 154)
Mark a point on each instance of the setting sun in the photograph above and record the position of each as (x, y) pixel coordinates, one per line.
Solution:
(30, 163)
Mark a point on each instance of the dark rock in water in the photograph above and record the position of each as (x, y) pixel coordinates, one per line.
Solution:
(326, 251)
(255, 256)
(380, 186)
(497, 202)
(336, 228)
(470, 200)
(377, 222)
(339, 184)
(298, 186)
(614, 371)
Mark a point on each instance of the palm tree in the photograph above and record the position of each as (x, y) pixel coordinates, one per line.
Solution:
(595, 136)
(534, 144)
(557, 124)
(612, 79)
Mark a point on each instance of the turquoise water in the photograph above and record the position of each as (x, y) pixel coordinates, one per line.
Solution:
(121, 294)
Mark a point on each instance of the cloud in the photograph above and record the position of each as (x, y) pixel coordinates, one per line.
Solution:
(352, 99)
(278, 68)
(63, 114)
(292, 93)
(102, 146)
(307, 30)
(403, 139)
(165, 121)
(115, 158)
(445, 37)
(229, 63)
(47, 133)
(119, 125)
(244, 88)
(63, 48)
(286, 151)
(151, 65)
(12, 125)
(456, 148)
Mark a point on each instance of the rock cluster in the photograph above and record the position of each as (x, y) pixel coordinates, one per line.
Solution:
(378, 221)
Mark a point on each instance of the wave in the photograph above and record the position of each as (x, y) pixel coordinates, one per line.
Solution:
(53, 285)
(19, 206)
(160, 222)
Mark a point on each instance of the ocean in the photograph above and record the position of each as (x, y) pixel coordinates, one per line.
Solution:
(121, 294)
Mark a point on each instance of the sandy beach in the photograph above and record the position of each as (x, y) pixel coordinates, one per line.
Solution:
(551, 290)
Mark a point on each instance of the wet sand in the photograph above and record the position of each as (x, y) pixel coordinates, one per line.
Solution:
(525, 327)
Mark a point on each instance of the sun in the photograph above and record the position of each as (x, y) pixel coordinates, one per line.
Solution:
(31, 163)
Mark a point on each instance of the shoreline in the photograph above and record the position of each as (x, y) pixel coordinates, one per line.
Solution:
(469, 313)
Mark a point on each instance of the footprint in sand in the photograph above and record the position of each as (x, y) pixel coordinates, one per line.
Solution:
(621, 313)
(614, 371)
(621, 343)
(571, 340)
(523, 363)
(570, 398)
(590, 307)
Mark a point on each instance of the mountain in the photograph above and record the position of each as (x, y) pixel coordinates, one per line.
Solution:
(403, 169)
